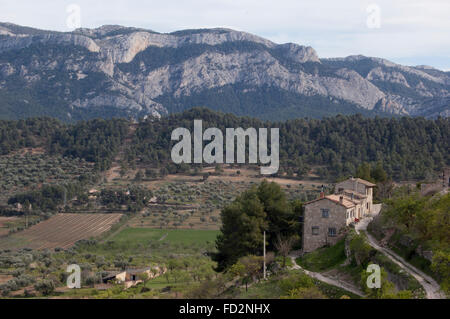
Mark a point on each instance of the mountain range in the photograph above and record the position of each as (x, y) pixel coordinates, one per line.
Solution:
(114, 71)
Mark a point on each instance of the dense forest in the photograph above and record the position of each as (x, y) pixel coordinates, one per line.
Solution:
(407, 148)
(95, 141)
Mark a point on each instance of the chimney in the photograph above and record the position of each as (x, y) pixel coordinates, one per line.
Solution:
(322, 195)
(341, 199)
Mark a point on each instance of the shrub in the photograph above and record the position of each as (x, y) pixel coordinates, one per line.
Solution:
(361, 250)
(295, 281)
(305, 293)
(45, 287)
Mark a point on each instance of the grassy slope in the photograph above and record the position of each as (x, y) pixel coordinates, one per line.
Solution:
(377, 228)
(324, 258)
(275, 288)
(175, 236)
(332, 257)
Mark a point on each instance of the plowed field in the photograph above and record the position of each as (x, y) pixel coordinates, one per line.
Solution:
(62, 230)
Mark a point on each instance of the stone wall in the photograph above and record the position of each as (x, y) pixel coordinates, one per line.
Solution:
(313, 217)
(351, 185)
(362, 189)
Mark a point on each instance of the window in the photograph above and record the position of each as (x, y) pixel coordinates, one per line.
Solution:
(367, 205)
(325, 213)
(315, 230)
(332, 232)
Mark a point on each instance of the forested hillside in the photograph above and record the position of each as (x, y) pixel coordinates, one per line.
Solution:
(95, 141)
(407, 148)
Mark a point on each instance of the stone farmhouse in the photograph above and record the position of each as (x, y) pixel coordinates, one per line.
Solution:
(130, 277)
(326, 217)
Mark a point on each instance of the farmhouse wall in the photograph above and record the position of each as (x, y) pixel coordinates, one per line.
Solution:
(313, 218)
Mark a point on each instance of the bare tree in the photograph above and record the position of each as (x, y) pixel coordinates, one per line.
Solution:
(145, 277)
(284, 246)
(384, 190)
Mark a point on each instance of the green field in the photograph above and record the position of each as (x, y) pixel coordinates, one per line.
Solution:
(135, 236)
(157, 244)
(324, 258)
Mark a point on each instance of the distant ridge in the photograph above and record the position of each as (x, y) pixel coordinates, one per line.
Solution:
(132, 72)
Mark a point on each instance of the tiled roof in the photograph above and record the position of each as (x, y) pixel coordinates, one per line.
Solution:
(355, 193)
(346, 202)
(137, 271)
(362, 181)
(111, 274)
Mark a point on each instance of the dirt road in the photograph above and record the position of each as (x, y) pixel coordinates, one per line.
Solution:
(328, 280)
(431, 287)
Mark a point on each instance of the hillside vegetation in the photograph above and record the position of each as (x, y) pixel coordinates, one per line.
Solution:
(417, 228)
(407, 148)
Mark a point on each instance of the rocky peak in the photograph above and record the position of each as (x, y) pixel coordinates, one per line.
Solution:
(190, 64)
(299, 53)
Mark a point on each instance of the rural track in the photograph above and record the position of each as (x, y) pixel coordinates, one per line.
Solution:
(328, 280)
(432, 288)
(122, 227)
(163, 237)
(108, 174)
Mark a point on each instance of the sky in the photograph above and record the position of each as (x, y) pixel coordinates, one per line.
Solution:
(411, 32)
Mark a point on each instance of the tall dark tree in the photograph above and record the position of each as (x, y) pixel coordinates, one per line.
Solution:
(242, 229)
(262, 208)
(279, 213)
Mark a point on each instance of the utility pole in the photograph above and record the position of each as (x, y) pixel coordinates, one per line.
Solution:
(264, 255)
(443, 178)
(27, 211)
(65, 196)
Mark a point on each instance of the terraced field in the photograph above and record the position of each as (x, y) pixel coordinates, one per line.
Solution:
(62, 230)
(3, 224)
(27, 170)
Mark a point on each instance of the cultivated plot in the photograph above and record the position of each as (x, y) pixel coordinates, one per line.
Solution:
(62, 230)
